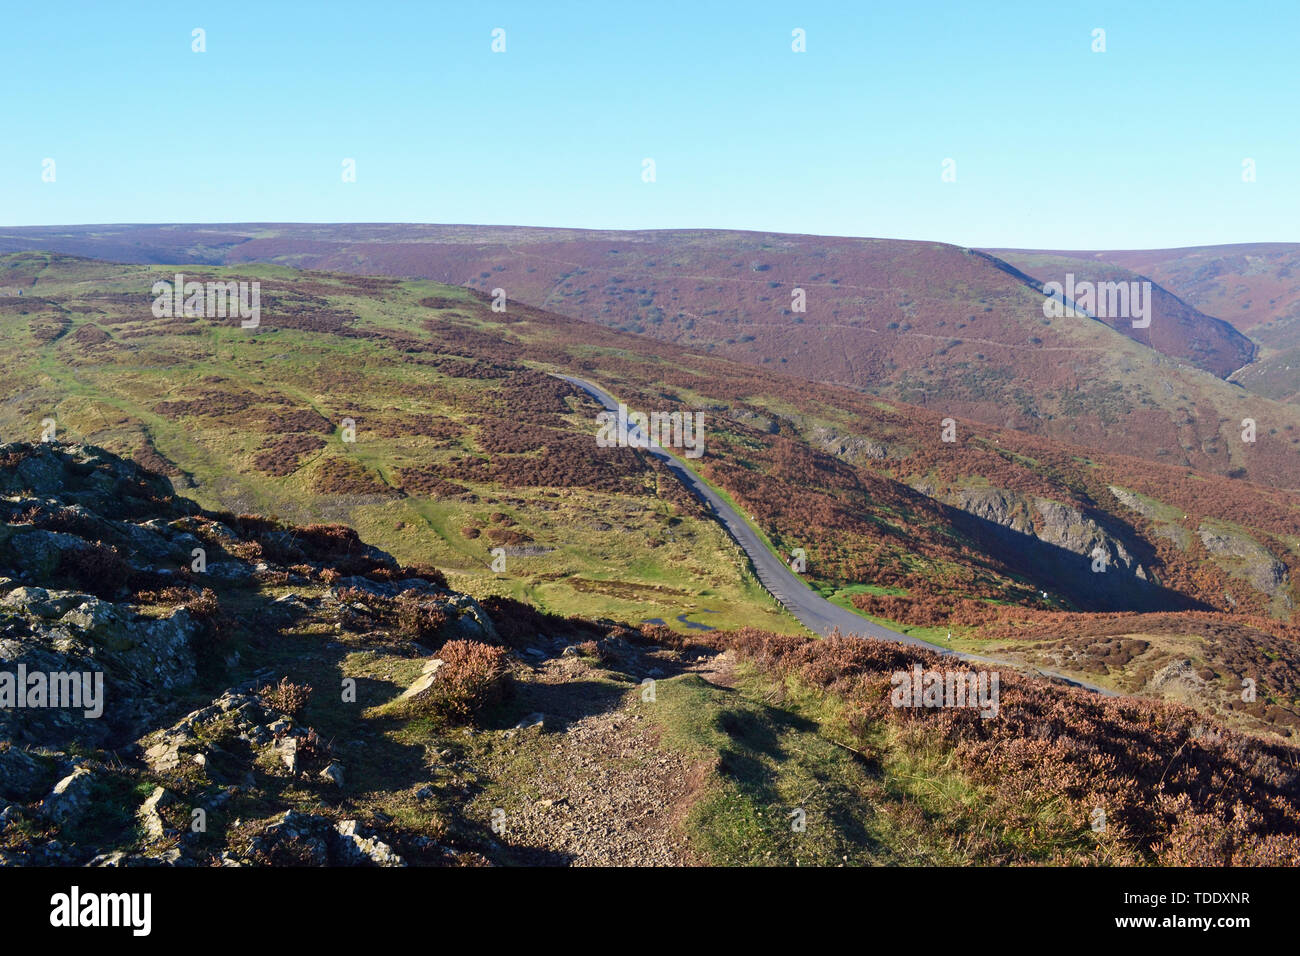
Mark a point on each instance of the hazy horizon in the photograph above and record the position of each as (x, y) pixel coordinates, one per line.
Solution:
(1056, 248)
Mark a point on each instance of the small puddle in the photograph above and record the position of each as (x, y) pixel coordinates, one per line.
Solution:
(695, 625)
(681, 618)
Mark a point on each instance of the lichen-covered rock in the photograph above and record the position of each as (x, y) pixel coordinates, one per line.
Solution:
(466, 620)
(151, 820)
(315, 840)
(98, 593)
(39, 552)
(71, 796)
(43, 603)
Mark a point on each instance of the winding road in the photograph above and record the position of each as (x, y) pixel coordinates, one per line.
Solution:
(811, 609)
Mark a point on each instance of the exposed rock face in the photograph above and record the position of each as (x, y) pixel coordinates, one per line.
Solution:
(151, 820)
(1245, 558)
(70, 796)
(319, 841)
(78, 524)
(120, 668)
(754, 420)
(1059, 545)
(113, 587)
(1067, 528)
(25, 776)
(849, 447)
(1164, 527)
(1049, 521)
(358, 848)
(468, 620)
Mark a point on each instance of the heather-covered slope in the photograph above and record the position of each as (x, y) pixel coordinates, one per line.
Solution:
(464, 444)
(301, 698)
(1177, 329)
(1255, 287)
(460, 451)
(926, 323)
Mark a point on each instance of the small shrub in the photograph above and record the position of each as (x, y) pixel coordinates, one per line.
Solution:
(97, 568)
(312, 746)
(418, 620)
(205, 606)
(472, 676)
(286, 696)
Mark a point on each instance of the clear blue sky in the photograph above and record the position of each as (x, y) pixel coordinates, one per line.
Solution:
(1056, 146)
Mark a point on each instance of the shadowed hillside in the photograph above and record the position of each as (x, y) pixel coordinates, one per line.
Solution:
(1255, 287)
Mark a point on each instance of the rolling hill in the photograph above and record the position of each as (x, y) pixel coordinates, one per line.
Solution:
(465, 444)
(1254, 287)
(954, 330)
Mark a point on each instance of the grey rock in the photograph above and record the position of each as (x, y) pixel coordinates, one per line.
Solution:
(71, 796)
(357, 848)
(1245, 558)
(422, 683)
(286, 748)
(155, 827)
(532, 720)
(43, 603)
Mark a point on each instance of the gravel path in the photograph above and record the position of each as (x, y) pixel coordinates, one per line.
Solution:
(607, 793)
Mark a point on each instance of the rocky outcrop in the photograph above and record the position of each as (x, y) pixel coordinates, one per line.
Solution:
(1052, 522)
(71, 796)
(1056, 545)
(851, 448)
(1151, 510)
(116, 670)
(315, 840)
(754, 420)
(113, 588)
(1246, 559)
(466, 619)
